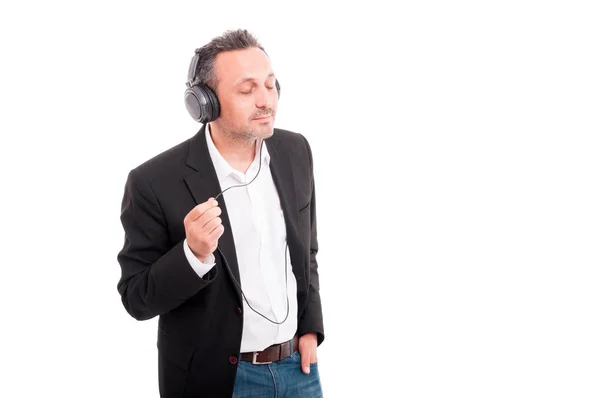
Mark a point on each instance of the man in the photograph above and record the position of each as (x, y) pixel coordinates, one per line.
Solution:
(221, 239)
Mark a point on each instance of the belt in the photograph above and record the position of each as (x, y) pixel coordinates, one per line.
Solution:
(276, 352)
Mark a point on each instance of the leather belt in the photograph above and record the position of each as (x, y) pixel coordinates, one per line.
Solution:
(276, 352)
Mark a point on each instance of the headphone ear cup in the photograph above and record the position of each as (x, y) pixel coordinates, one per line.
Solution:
(202, 103)
(278, 88)
(215, 108)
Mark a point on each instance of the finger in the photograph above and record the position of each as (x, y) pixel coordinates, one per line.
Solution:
(212, 224)
(216, 233)
(199, 210)
(305, 361)
(208, 216)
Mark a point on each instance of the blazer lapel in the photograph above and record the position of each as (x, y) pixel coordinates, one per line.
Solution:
(204, 184)
(283, 176)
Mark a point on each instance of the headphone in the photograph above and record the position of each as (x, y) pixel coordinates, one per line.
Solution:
(201, 101)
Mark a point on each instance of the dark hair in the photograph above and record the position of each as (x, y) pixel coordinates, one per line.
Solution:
(228, 41)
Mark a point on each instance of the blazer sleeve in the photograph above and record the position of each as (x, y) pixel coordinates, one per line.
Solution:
(155, 278)
(312, 318)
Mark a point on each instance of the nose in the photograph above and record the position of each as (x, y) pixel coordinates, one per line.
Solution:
(265, 97)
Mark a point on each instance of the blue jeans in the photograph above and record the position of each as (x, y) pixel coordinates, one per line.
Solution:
(281, 379)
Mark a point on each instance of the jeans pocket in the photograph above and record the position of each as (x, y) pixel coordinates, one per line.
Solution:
(296, 356)
(298, 359)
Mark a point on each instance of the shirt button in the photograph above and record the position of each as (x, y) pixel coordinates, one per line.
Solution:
(233, 360)
(238, 310)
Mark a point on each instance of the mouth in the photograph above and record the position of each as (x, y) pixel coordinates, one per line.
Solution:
(262, 118)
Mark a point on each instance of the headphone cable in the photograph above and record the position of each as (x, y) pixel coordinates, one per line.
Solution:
(284, 253)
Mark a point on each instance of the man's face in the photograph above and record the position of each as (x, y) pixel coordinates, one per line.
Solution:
(247, 93)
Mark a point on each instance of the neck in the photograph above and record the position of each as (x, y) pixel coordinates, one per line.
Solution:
(238, 151)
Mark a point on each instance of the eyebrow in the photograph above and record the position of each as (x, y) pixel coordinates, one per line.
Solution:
(249, 79)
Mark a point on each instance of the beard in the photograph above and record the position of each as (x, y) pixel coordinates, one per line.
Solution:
(251, 131)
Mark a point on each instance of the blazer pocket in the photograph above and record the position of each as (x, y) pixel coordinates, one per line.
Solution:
(303, 208)
(177, 354)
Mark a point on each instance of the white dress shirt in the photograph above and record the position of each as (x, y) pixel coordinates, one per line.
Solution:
(259, 234)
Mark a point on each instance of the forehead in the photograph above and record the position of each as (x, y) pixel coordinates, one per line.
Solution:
(232, 66)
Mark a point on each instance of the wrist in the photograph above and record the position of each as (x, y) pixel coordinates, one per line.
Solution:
(312, 335)
(200, 257)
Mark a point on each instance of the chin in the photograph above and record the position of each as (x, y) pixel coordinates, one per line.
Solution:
(264, 131)
(266, 134)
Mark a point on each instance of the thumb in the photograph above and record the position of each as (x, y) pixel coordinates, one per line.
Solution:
(305, 360)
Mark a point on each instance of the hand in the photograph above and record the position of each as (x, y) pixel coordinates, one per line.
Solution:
(203, 228)
(307, 346)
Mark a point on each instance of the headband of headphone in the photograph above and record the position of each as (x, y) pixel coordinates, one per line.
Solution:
(201, 101)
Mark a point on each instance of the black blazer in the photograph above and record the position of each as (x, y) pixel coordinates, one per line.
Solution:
(200, 322)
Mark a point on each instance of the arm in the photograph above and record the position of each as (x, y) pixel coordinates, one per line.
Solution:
(312, 319)
(200, 267)
(155, 278)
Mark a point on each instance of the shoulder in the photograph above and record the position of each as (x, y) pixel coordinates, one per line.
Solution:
(290, 141)
(295, 147)
(164, 164)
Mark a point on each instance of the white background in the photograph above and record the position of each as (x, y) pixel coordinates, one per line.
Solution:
(457, 168)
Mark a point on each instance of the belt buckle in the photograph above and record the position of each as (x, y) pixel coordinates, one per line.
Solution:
(254, 362)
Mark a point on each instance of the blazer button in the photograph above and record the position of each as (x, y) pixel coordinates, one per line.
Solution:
(238, 310)
(233, 360)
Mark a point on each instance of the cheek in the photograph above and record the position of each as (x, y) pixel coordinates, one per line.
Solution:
(236, 112)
